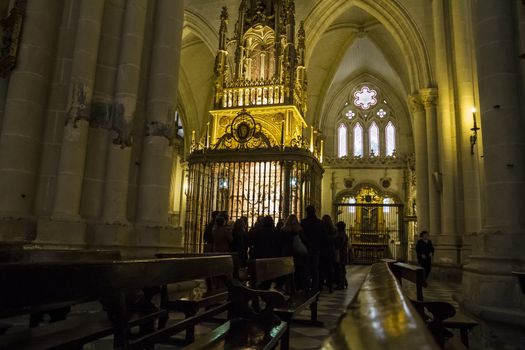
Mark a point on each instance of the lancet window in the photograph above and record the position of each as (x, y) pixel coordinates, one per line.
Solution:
(371, 123)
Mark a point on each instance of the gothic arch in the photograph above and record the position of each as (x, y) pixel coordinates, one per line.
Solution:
(195, 23)
(397, 21)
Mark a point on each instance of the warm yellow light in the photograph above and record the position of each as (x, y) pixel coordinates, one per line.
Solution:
(473, 109)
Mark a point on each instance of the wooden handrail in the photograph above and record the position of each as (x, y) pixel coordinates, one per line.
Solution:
(380, 317)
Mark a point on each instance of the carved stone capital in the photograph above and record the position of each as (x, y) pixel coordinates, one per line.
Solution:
(156, 128)
(429, 97)
(415, 104)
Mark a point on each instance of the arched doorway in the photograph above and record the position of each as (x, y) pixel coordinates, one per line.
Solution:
(374, 223)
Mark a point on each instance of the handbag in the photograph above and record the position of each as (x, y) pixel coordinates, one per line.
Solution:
(298, 246)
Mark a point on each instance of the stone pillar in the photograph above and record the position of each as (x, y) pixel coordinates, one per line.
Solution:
(56, 111)
(157, 153)
(100, 118)
(490, 291)
(119, 153)
(429, 98)
(23, 119)
(449, 242)
(469, 166)
(70, 173)
(420, 146)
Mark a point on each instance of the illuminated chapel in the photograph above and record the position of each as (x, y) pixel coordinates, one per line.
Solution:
(125, 123)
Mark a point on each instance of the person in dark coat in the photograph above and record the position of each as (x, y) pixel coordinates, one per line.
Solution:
(208, 236)
(239, 241)
(327, 254)
(313, 232)
(222, 235)
(293, 245)
(341, 258)
(265, 240)
(425, 251)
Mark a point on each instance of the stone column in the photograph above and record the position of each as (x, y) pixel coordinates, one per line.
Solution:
(127, 86)
(56, 111)
(429, 98)
(491, 292)
(157, 153)
(100, 118)
(420, 145)
(73, 151)
(469, 166)
(23, 119)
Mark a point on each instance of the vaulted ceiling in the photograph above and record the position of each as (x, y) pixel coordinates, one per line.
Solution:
(355, 43)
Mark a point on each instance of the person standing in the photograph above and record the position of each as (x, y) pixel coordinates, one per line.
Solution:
(293, 245)
(208, 236)
(328, 257)
(341, 247)
(425, 251)
(313, 232)
(222, 235)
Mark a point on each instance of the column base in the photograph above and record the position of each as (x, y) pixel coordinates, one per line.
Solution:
(17, 230)
(60, 233)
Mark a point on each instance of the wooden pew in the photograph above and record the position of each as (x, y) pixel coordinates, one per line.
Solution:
(380, 317)
(32, 284)
(263, 270)
(440, 310)
(57, 311)
(412, 273)
(215, 294)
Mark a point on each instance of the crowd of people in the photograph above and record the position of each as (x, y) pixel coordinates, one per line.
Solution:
(318, 247)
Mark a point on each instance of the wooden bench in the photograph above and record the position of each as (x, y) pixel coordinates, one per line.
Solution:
(264, 270)
(455, 320)
(380, 317)
(412, 273)
(57, 311)
(216, 294)
(245, 327)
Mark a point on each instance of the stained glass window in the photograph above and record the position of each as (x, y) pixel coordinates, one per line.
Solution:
(358, 140)
(390, 136)
(365, 98)
(350, 114)
(373, 135)
(381, 113)
(342, 142)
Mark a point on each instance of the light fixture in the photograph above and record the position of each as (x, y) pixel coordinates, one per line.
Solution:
(474, 136)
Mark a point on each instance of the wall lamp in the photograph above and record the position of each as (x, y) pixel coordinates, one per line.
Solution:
(474, 136)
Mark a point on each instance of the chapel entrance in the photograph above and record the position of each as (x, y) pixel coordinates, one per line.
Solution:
(374, 225)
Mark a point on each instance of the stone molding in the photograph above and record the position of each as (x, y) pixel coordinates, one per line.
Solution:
(415, 103)
(429, 97)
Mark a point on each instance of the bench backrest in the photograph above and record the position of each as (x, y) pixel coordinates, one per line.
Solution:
(412, 273)
(262, 270)
(46, 255)
(32, 284)
(235, 258)
(393, 325)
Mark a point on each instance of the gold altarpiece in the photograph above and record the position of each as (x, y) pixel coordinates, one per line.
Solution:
(258, 156)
